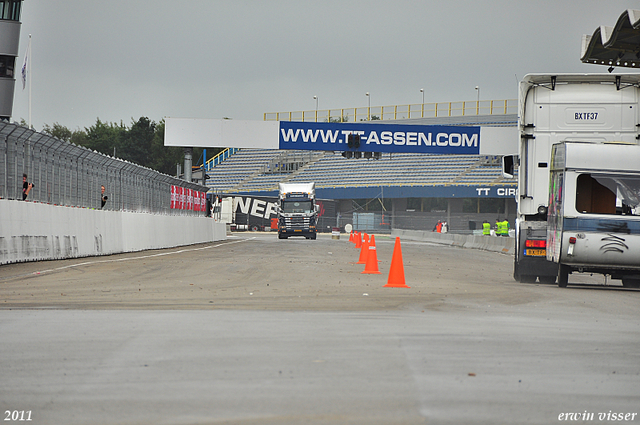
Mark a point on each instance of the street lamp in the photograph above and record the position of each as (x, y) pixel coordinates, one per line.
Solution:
(422, 91)
(369, 107)
(316, 99)
(478, 101)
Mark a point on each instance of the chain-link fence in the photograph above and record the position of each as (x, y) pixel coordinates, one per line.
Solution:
(66, 174)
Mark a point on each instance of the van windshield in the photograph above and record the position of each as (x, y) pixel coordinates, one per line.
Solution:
(608, 194)
(297, 206)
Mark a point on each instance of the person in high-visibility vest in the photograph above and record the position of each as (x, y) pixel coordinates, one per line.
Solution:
(486, 228)
(505, 228)
(501, 228)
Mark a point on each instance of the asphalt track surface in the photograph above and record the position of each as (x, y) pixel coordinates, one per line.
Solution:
(256, 330)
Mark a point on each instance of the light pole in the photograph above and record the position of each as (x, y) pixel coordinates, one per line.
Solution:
(369, 107)
(422, 91)
(316, 99)
(478, 101)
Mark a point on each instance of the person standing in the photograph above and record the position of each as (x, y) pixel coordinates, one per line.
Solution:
(103, 197)
(505, 227)
(486, 228)
(26, 187)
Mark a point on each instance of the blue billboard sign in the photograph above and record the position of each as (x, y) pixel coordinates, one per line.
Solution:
(396, 138)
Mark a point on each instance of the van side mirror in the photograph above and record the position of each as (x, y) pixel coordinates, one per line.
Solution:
(508, 166)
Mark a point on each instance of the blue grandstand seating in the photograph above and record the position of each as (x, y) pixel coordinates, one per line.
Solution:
(249, 170)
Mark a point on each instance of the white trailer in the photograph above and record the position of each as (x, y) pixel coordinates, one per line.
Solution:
(587, 108)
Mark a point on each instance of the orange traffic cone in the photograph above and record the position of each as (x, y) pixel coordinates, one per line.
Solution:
(351, 236)
(372, 241)
(371, 266)
(364, 251)
(358, 240)
(396, 270)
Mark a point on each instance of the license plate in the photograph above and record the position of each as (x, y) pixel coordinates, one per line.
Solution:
(535, 252)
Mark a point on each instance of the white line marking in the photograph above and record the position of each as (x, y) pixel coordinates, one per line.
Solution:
(86, 263)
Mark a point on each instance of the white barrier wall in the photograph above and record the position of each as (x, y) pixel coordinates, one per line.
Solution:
(488, 243)
(33, 231)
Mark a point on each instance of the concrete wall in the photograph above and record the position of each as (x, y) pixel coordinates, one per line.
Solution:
(489, 243)
(33, 231)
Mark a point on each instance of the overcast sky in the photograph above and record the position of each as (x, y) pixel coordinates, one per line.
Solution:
(119, 60)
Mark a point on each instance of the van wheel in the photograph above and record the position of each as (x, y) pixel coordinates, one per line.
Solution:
(313, 236)
(563, 276)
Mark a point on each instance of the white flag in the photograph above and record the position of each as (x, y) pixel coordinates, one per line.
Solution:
(24, 65)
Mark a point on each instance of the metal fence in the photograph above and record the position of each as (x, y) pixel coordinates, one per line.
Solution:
(71, 175)
(397, 112)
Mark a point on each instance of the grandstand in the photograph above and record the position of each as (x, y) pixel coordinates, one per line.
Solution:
(462, 180)
(258, 172)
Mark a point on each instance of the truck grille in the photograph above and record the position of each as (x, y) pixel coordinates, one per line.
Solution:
(297, 222)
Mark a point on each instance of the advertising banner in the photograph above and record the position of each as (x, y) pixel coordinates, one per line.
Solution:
(375, 136)
(397, 138)
(188, 199)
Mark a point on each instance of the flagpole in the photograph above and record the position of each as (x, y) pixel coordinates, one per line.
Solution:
(30, 64)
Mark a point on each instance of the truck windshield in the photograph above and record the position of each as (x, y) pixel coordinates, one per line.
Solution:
(608, 194)
(297, 206)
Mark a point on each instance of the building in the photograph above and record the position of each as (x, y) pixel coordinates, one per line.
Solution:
(9, 41)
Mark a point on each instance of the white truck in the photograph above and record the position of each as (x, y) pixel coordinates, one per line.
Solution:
(590, 123)
(297, 210)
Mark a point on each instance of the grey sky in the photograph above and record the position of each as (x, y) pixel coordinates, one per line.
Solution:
(123, 59)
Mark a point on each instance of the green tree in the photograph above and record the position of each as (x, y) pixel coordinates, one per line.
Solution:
(59, 131)
(137, 142)
(104, 137)
(142, 143)
(164, 157)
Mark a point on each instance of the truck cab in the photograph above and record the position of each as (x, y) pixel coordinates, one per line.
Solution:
(297, 210)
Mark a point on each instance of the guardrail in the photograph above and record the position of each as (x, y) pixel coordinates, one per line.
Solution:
(219, 158)
(71, 175)
(396, 112)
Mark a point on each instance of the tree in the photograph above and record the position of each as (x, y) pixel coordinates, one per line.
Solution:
(142, 143)
(137, 142)
(165, 158)
(59, 131)
(104, 137)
